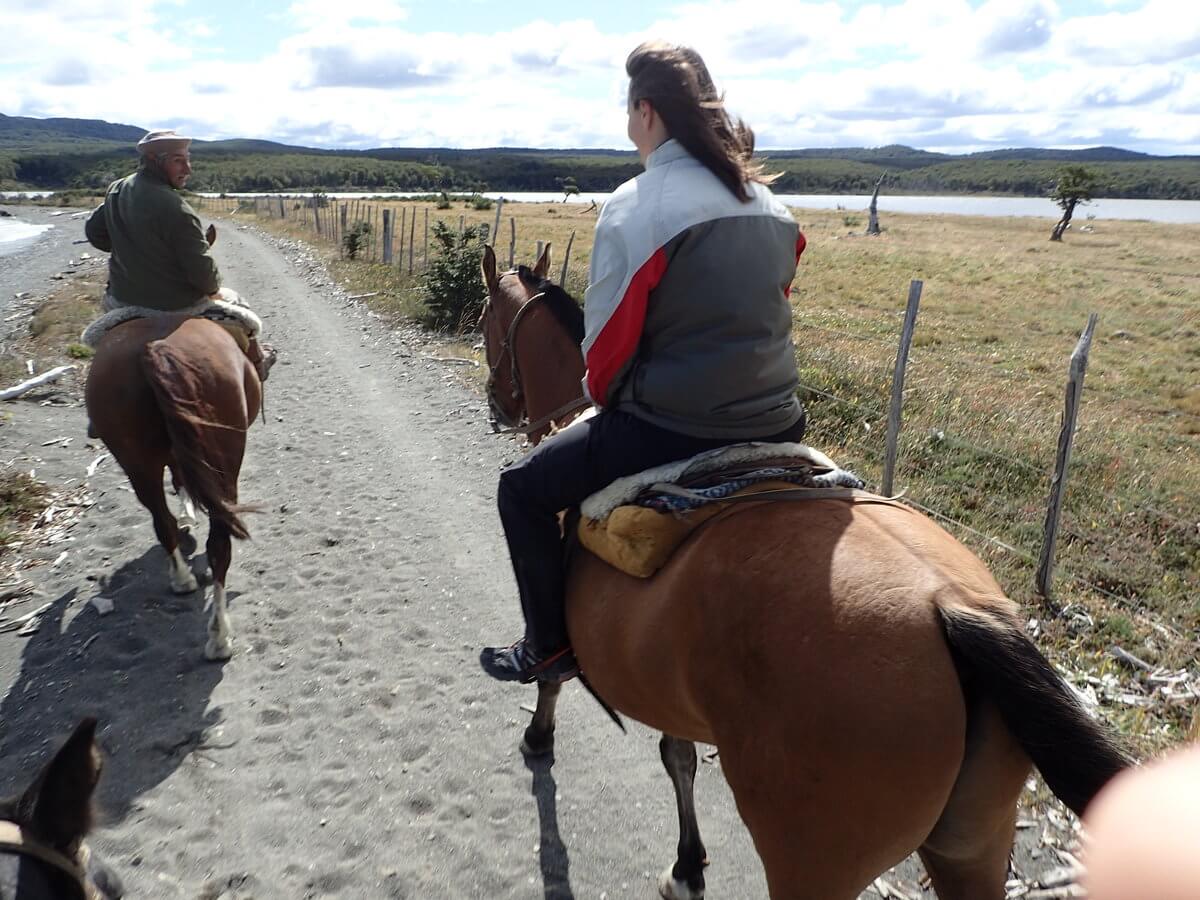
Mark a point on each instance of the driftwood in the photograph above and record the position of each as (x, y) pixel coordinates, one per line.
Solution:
(29, 385)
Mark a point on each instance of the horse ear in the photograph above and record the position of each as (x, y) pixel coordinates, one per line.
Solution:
(542, 267)
(489, 269)
(57, 807)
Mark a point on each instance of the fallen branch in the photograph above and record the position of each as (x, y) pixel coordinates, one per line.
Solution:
(29, 385)
(453, 359)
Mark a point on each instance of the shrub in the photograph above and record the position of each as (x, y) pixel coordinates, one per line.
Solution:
(80, 351)
(478, 201)
(452, 287)
(443, 201)
(355, 239)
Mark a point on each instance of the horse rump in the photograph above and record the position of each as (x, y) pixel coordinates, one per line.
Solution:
(1073, 752)
(207, 450)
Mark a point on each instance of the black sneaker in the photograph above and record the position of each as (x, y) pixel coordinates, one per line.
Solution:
(522, 663)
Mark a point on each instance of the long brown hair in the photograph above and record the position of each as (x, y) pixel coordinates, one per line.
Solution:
(676, 82)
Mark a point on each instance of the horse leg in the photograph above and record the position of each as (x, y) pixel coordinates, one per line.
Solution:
(685, 879)
(148, 486)
(539, 736)
(966, 854)
(220, 553)
(188, 520)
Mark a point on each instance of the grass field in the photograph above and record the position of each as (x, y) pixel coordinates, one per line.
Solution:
(1001, 312)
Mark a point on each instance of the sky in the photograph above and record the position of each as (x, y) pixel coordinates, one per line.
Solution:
(942, 75)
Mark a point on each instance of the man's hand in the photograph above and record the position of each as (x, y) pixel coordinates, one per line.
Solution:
(211, 235)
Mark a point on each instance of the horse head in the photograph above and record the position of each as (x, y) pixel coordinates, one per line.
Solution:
(42, 852)
(509, 294)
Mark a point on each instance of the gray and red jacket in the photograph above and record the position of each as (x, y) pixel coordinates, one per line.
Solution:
(687, 318)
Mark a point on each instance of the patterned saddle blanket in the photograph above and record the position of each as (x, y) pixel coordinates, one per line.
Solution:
(225, 308)
(636, 523)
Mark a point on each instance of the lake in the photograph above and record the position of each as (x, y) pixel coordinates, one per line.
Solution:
(15, 234)
(1171, 211)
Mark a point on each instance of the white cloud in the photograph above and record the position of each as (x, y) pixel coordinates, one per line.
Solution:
(1161, 31)
(935, 73)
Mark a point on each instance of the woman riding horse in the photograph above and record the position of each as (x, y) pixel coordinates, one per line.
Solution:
(688, 333)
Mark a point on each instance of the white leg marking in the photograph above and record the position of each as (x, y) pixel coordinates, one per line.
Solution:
(672, 889)
(187, 521)
(182, 579)
(220, 635)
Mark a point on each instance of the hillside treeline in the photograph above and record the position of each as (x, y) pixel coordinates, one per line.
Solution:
(533, 170)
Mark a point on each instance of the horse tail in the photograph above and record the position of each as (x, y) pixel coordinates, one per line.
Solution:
(184, 413)
(1074, 753)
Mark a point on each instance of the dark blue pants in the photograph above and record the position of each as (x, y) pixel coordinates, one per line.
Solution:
(561, 472)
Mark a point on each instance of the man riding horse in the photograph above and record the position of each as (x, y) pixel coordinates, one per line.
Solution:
(160, 255)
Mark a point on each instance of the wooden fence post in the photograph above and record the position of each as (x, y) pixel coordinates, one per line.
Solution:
(403, 226)
(496, 226)
(461, 224)
(893, 427)
(512, 241)
(412, 233)
(387, 237)
(425, 247)
(562, 279)
(1066, 437)
(282, 211)
(316, 214)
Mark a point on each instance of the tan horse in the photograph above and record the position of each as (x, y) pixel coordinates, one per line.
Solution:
(172, 391)
(869, 687)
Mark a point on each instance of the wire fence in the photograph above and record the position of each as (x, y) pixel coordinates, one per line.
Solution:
(397, 241)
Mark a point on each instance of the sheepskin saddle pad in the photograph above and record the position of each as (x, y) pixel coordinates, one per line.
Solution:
(225, 308)
(636, 522)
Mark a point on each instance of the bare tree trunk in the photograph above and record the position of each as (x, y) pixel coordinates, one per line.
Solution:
(873, 221)
(1064, 222)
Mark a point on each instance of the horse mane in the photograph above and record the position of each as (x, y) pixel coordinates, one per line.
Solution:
(564, 307)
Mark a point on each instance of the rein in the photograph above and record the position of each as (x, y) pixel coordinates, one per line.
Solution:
(523, 425)
(13, 839)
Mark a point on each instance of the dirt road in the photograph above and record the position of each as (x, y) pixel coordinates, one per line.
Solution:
(351, 748)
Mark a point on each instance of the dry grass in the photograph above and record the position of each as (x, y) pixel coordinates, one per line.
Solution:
(1001, 312)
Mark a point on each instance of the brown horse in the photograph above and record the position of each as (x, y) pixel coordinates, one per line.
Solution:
(42, 854)
(177, 392)
(869, 687)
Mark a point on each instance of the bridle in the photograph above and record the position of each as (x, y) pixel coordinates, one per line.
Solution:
(14, 839)
(520, 424)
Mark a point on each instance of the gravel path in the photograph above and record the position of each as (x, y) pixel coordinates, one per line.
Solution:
(351, 748)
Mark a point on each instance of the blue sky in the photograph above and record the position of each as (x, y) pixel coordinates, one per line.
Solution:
(949, 75)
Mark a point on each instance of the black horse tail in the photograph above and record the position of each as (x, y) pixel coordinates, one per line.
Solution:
(191, 425)
(1074, 753)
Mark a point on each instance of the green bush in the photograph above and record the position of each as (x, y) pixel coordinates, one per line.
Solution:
(478, 201)
(452, 288)
(355, 239)
(443, 201)
(80, 351)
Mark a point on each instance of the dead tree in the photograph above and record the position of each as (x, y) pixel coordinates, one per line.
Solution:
(873, 221)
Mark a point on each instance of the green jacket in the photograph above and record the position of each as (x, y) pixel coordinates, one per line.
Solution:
(160, 258)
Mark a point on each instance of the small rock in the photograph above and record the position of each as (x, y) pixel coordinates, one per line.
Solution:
(104, 605)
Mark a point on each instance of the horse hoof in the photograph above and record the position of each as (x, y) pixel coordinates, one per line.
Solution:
(187, 586)
(672, 888)
(218, 651)
(534, 743)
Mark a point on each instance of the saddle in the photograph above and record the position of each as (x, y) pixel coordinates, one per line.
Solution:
(226, 308)
(637, 522)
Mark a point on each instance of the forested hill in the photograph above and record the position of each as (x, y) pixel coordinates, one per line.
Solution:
(78, 153)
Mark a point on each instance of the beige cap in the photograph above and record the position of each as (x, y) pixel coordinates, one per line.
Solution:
(164, 140)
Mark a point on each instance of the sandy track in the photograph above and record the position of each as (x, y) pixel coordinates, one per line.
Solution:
(351, 748)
